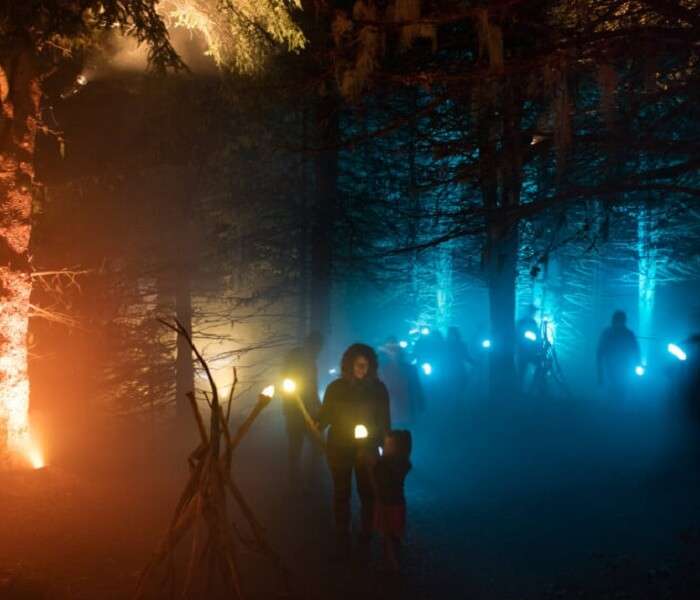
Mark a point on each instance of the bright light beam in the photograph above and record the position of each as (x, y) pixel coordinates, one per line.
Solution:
(289, 386)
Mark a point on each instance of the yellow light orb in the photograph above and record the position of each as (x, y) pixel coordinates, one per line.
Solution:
(269, 391)
(289, 386)
(360, 432)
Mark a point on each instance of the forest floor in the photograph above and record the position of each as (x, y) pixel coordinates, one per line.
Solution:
(568, 500)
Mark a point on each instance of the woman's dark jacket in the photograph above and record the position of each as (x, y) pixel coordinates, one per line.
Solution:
(348, 403)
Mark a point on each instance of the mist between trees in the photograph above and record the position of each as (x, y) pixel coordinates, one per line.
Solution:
(419, 160)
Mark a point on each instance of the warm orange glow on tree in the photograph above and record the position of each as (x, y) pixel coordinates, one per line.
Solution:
(239, 35)
(20, 105)
(31, 44)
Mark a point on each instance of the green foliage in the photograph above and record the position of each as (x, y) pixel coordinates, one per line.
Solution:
(59, 28)
(239, 34)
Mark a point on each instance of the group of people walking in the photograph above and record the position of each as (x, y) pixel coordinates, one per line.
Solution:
(356, 413)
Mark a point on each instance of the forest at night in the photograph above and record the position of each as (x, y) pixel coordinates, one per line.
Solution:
(354, 299)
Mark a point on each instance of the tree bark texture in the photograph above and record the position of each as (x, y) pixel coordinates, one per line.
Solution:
(20, 93)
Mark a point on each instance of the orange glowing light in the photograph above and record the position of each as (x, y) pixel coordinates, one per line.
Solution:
(14, 384)
(35, 457)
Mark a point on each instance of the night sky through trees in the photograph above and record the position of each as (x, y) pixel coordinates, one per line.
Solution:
(202, 200)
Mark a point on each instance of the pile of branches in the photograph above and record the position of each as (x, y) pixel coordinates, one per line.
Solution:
(203, 508)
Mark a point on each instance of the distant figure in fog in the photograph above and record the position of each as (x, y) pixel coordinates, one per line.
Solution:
(356, 412)
(687, 377)
(402, 382)
(389, 474)
(300, 366)
(617, 357)
(457, 357)
(431, 358)
(527, 346)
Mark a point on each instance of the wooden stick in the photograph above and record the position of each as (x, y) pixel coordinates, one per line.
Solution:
(230, 395)
(198, 418)
(262, 402)
(310, 424)
(180, 329)
(195, 552)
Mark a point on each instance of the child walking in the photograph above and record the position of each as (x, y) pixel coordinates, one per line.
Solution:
(389, 474)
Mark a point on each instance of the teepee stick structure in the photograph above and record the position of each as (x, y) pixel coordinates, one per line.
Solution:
(203, 507)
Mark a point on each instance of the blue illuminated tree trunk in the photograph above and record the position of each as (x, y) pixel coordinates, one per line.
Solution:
(647, 257)
(500, 188)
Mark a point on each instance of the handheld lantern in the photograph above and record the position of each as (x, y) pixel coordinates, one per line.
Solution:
(427, 368)
(403, 344)
(360, 432)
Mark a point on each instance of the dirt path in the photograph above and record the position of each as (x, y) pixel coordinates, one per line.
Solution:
(577, 503)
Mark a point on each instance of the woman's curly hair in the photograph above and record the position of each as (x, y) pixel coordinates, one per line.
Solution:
(352, 353)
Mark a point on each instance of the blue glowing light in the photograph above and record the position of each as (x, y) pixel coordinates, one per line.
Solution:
(530, 335)
(427, 368)
(403, 344)
(677, 351)
(425, 331)
(639, 370)
(486, 344)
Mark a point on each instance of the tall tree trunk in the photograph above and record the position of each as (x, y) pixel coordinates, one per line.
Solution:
(501, 183)
(303, 238)
(184, 367)
(182, 196)
(502, 246)
(20, 93)
(323, 221)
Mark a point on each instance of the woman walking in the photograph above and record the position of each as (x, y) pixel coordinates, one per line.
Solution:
(356, 412)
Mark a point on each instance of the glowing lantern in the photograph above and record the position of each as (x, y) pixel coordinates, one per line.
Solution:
(486, 344)
(677, 351)
(425, 331)
(289, 386)
(360, 432)
(530, 335)
(403, 344)
(269, 391)
(427, 368)
(639, 370)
